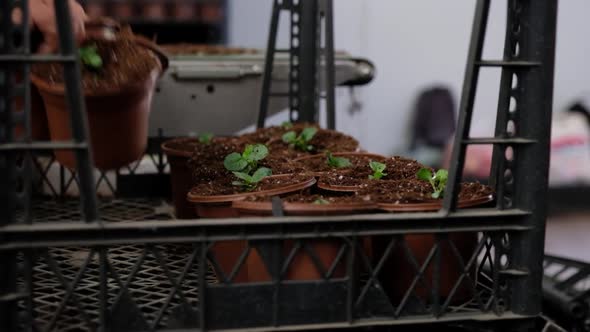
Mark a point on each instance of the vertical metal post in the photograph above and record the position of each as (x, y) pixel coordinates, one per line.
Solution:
(330, 79)
(9, 176)
(467, 100)
(269, 64)
(308, 53)
(533, 119)
(78, 120)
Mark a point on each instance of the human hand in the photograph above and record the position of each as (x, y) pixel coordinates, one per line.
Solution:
(42, 15)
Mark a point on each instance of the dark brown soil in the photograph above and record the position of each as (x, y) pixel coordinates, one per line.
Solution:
(416, 191)
(264, 135)
(199, 49)
(397, 168)
(324, 140)
(282, 165)
(320, 164)
(223, 186)
(124, 63)
(206, 162)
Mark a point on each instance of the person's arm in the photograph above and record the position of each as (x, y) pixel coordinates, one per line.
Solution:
(42, 13)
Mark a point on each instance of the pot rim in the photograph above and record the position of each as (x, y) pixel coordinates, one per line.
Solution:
(177, 152)
(297, 208)
(272, 140)
(432, 206)
(271, 192)
(342, 189)
(341, 154)
(132, 87)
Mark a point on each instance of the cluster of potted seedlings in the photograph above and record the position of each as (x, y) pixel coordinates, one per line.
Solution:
(315, 172)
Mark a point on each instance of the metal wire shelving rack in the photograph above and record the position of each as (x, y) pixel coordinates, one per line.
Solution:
(128, 265)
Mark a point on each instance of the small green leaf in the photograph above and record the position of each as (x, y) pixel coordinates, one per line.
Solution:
(321, 201)
(308, 133)
(244, 176)
(436, 194)
(338, 162)
(441, 175)
(205, 138)
(248, 151)
(424, 174)
(260, 174)
(377, 167)
(259, 152)
(234, 162)
(289, 137)
(287, 125)
(238, 183)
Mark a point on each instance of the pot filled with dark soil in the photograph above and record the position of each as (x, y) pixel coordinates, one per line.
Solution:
(214, 200)
(310, 140)
(205, 151)
(413, 195)
(361, 175)
(337, 163)
(263, 135)
(119, 74)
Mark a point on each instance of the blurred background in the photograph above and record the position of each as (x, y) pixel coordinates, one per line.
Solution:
(419, 50)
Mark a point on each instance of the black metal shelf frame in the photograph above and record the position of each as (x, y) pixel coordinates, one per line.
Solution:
(126, 272)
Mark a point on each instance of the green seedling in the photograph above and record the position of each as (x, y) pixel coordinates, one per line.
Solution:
(378, 170)
(301, 142)
(287, 125)
(437, 180)
(321, 201)
(247, 161)
(337, 162)
(90, 57)
(206, 138)
(250, 182)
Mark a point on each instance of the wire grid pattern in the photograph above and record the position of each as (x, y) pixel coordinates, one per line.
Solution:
(160, 279)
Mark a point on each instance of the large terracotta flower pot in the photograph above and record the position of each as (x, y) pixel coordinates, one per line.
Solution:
(117, 117)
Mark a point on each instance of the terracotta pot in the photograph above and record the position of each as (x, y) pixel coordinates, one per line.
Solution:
(222, 205)
(433, 205)
(95, 10)
(302, 267)
(398, 274)
(180, 177)
(228, 252)
(117, 120)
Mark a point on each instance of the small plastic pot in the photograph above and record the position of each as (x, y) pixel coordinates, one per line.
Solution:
(180, 176)
(302, 160)
(228, 252)
(302, 266)
(117, 119)
(221, 206)
(398, 274)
